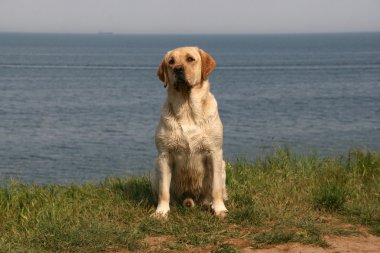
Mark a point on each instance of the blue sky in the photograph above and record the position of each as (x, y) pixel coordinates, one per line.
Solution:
(196, 16)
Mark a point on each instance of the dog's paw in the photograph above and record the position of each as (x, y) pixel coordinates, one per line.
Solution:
(188, 202)
(160, 214)
(221, 214)
(220, 210)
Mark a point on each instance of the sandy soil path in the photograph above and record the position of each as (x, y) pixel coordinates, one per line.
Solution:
(338, 244)
(352, 244)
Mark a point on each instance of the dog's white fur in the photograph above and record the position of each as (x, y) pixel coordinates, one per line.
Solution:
(189, 166)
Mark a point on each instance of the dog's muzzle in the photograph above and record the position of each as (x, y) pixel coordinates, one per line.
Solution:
(180, 79)
(178, 70)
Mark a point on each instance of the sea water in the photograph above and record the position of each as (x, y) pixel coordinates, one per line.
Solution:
(77, 108)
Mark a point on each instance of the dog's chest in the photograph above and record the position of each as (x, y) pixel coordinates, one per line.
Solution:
(190, 137)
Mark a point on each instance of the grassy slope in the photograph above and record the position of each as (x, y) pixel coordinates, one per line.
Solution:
(284, 197)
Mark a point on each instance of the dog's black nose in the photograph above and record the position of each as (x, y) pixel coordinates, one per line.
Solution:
(178, 69)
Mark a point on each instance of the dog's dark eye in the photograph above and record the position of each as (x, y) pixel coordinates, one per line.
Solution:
(190, 59)
(171, 61)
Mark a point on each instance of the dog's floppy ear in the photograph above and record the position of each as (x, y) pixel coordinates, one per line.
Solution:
(208, 64)
(162, 73)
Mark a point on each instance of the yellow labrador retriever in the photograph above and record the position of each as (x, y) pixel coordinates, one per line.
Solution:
(189, 166)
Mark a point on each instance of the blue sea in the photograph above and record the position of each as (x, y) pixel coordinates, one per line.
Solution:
(79, 108)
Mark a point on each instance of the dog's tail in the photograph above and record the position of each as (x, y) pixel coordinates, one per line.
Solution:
(188, 202)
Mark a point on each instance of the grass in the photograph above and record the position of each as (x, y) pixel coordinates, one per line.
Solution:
(284, 197)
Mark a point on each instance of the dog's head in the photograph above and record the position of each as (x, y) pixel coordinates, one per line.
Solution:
(187, 66)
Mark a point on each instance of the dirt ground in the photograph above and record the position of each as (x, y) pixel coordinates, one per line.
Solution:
(357, 244)
(338, 244)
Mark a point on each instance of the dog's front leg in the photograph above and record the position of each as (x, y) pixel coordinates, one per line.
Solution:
(218, 184)
(163, 176)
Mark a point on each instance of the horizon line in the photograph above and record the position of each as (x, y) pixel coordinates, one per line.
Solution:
(187, 34)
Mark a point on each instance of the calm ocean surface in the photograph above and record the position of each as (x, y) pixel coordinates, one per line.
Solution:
(78, 108)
